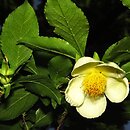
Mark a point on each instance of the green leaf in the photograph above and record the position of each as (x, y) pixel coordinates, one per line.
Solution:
(20, 101)
(42, 86)
(20, 23)
(43, 71)
(126, 3)
(54, 45)
(43, 119)
(126, 68)
(11, 126)
(30, 66)
(106, 56)
(118, 52)
(96, 56)
(30, 116)
(69, 22)
(45, 101)
(0, 40)
(54, 104)
(7, 90)
(59, 68)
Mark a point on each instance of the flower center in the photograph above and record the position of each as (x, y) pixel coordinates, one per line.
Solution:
(94, 84)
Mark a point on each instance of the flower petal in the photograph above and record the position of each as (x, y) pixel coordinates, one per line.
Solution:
(111, 70)
(74, 94)
(83, 64)
(117, 89)
(92, 108)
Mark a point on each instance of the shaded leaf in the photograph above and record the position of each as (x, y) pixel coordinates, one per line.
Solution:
(43, 71)
(45, 101)
(20, 23)
(42, 86)
(107, 55)
(54, 104)
(0, 40)
(54, 45)
(59, 67)
(12, 126)
(119, 52)
(20, 101)
(126, 68)
(31, 67)
(69, 22)
(43, 119)
(30, 116)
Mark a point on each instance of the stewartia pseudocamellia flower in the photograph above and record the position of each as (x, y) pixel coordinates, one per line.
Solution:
(92, 82)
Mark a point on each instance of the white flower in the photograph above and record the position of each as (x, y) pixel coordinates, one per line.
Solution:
(92, 82)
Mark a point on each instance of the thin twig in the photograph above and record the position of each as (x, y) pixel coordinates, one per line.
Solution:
(24, 121)
(61, 119)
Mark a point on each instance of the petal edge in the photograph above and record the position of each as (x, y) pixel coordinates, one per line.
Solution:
(117, 89)
(92, 108)
(83, 64)
(73, 93)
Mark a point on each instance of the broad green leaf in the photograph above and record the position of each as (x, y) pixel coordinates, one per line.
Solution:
(119, 52)
(107, 55)
(60, 65)
(11, 126)
(31, 67)
(20, 101)
(44, 55)
(30, 115)
(60, 81)
(45, 101)
(42, 86)
(126, 3)
(43, 119)
(69, 22)
(59, 68)
(54, 45)
(126, 68)
(20, 23)
(43, 71)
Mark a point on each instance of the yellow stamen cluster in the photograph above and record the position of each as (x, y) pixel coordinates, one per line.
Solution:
(94, 84)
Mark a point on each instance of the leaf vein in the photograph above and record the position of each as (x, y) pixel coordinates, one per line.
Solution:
(70, 29)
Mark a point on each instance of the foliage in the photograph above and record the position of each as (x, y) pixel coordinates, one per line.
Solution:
(65, 17)
(126, 3)
(35, 69)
